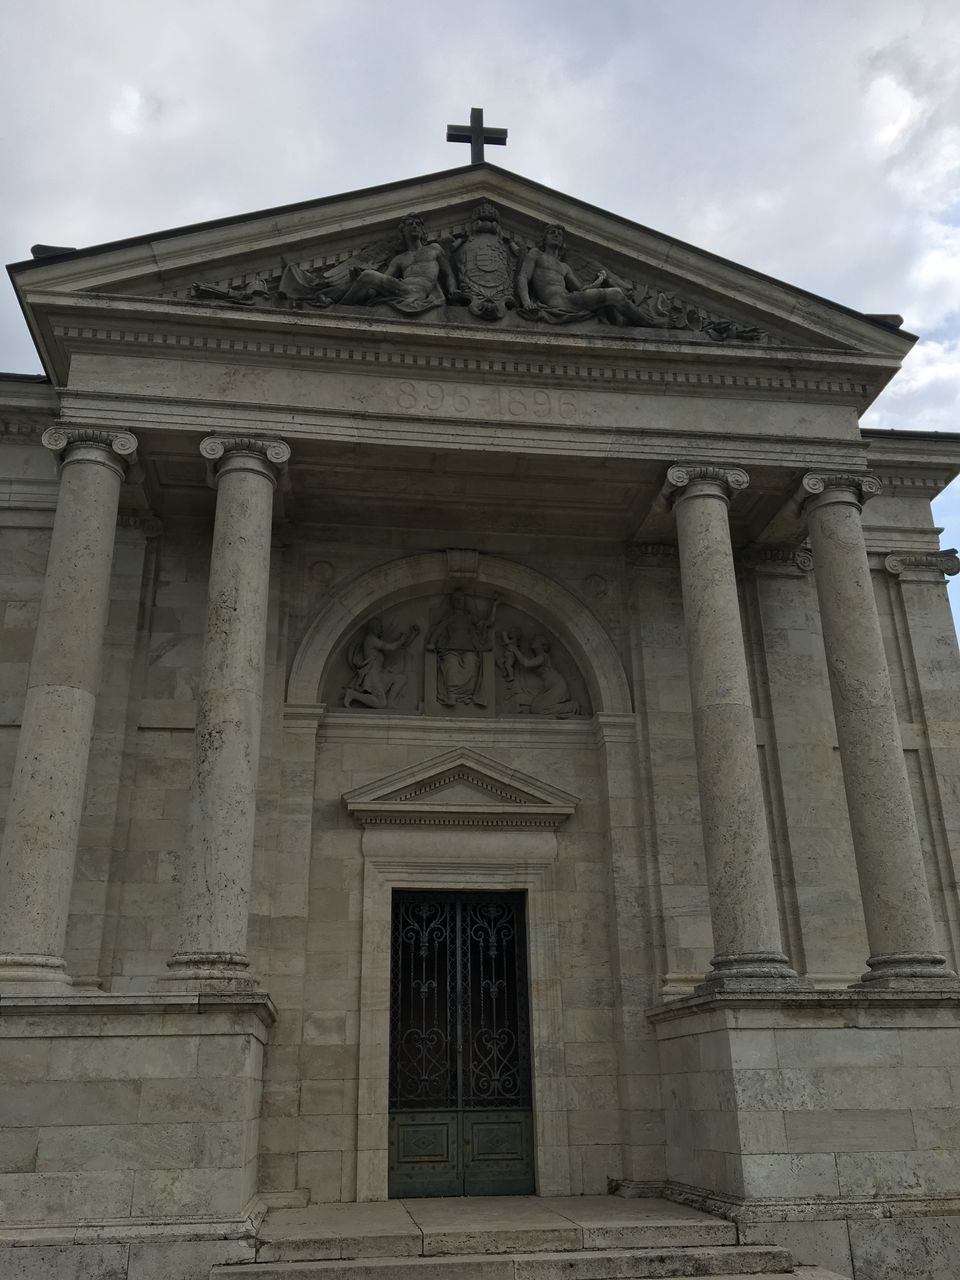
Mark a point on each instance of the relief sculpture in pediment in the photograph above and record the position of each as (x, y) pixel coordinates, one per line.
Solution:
(536, 686)
(489, 272)
(486, 261)
(441, 656)
(379, 665)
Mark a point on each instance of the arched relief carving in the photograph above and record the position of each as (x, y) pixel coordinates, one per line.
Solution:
(417, 590)
(454, 654)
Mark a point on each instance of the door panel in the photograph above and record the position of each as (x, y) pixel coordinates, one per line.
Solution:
(425, 1153)
(460, 1083)
(497, 1153)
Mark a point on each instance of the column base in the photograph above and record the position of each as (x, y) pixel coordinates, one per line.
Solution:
(908, 971)
(34, 975)
(208, 971)
(749, 970)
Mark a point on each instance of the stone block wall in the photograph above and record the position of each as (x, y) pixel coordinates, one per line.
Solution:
(311, 954)
(141, 1107)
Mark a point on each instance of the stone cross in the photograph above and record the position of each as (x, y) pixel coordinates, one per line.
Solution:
(476, 135)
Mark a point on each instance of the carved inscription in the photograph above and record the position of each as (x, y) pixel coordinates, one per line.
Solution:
(487, 402)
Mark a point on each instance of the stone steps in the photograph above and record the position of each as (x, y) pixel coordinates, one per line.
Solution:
(734, 1262)
(506, 1238)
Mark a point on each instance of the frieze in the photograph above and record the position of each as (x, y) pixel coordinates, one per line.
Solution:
(23, 427)
(487, 273)
(457, 655)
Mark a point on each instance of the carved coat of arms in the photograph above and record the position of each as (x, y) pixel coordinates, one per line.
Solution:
(486, 263)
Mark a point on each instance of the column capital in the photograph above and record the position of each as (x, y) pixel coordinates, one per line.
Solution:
(946, 561)
(268, 456)
(690, 480)
(79, 444)
(774, 558)
(818, 488)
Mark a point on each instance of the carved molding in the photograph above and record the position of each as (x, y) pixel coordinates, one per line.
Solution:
(483, 793)
(946, 561)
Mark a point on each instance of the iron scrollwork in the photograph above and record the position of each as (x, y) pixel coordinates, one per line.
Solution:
(459, 1003)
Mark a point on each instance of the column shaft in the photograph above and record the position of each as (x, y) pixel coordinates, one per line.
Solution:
(216, 880)
(39, 847)
(893, 883)
(743, 906)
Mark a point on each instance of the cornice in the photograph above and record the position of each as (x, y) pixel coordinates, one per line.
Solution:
(122, 324)
(665, 378)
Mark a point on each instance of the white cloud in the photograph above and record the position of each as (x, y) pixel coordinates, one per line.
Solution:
(891, 108)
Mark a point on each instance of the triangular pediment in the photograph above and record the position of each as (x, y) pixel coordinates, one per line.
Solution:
(460, 788)
(304, 264)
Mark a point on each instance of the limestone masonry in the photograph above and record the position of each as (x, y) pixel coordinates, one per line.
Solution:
(478, 717)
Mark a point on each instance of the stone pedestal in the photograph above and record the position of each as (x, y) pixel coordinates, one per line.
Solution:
(743, 908)
(825, 1121)
(138, 1115)
(39, 847)
(893, 883)
(216, 881)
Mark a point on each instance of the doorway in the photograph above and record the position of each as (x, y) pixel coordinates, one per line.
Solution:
(461, 1120)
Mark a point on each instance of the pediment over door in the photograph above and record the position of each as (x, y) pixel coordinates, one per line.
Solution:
(461, 788)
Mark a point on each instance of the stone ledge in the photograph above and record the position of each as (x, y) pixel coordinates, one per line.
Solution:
(67, 1004)
(747, 1209)
(781, 998)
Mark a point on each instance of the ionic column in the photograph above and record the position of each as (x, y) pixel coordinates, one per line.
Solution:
(39, 846)
(893, 882)
(216, 880)
(743, 907)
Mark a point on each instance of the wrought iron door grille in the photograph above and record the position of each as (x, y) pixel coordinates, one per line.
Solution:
(459, 1011)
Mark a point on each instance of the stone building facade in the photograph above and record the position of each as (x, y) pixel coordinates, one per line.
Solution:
(522, 559)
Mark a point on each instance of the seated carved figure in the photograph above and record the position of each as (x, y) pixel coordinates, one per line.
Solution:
(416, 279)
(549, 289)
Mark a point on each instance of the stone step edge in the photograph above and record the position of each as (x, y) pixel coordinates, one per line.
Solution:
(291, 1245)
(768, 1259)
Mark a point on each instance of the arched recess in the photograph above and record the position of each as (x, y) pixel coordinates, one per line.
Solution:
(388, 583)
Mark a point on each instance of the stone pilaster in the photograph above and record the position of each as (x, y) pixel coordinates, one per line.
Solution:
(39, 846)
(216, 879)
(743, 907)
(893, 883)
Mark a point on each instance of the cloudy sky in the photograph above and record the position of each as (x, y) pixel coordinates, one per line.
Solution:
(815, 140)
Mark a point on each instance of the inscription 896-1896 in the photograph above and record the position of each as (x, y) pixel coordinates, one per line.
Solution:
(481, 402)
